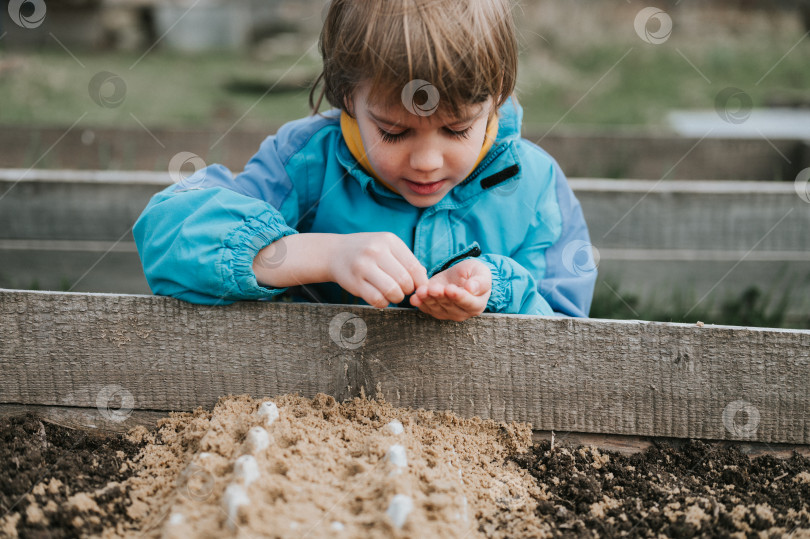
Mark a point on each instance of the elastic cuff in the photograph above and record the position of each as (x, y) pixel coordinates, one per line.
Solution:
(242, 246)
(501, 292)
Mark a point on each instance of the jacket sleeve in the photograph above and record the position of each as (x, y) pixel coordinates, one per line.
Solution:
(542, 278)
(197, 238)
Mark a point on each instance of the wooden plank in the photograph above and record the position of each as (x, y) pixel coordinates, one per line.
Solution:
(88, 419)
(707, 238)
(114, 269)
(681, 215)
(74, 206)
(593, 376)
(630, 445)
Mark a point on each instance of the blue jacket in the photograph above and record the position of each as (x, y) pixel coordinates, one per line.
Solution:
(197, 238)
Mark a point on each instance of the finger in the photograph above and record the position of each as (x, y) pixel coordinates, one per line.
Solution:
(461, 297)
(421, 291)
(371, 295)
(391, 266)
(427, 308)
(435, 289)
(385, 285)
(411, 264)
(451, 311)
(438, 311)
(466, 302)
(429, 302)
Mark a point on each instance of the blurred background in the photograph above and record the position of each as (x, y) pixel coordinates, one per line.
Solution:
(684, 127)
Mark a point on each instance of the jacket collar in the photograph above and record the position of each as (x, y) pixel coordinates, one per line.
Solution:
(501, 156)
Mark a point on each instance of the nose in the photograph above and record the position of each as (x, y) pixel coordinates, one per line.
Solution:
(426, 157)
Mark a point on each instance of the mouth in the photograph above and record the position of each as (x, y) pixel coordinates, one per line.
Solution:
(424, 188)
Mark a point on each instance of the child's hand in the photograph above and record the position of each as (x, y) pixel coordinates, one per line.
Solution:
(457, 293)
(375, 266)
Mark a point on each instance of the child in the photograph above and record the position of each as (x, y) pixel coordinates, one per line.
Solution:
(419, 185)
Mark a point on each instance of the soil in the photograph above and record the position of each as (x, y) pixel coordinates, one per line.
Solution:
(696, 490)
(59, 482)
(325, 469)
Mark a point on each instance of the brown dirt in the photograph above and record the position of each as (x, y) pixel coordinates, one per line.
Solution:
(697, 490)
(59, 482)
(326, 471)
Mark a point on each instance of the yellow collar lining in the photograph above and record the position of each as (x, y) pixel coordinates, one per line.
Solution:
(351, 134)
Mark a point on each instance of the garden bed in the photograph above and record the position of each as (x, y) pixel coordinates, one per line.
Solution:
(324, 468)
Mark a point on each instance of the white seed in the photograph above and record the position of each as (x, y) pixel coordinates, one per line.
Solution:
(395, 427)
(399, 509)
(257, 440)
(337, 526)
(246, 469)
(234, 498)
(462, 512)
(176, 519)
(269, 411)
(397, 456)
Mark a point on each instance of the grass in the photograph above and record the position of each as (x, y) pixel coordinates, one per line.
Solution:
(646, 83)
(753, 307)
(604, 81)
(165, 89)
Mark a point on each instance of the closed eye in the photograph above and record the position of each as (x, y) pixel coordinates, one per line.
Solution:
(396, 137)
(391, 137)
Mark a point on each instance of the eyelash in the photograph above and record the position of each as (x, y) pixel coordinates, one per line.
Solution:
(392, 137)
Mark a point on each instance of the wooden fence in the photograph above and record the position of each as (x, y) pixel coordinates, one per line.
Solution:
(120, 358)
(702, 242)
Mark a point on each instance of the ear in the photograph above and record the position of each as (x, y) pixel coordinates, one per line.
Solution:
(348, 104)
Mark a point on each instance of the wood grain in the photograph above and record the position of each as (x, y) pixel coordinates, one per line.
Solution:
(592, 376)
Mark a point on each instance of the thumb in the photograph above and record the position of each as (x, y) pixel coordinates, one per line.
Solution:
(473, 287)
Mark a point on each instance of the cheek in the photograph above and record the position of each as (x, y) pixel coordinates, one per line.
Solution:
(466, 153)
(385, 158)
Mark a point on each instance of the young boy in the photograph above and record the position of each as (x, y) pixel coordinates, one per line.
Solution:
(419, 185)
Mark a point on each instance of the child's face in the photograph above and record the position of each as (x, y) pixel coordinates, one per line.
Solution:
(421, 157)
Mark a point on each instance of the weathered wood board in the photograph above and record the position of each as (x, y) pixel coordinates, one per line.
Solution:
(121, 353)
(703, 241)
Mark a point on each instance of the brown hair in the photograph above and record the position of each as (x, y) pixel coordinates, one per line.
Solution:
(466, 49)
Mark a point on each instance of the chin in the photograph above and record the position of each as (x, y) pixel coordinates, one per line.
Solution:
(424, 202)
